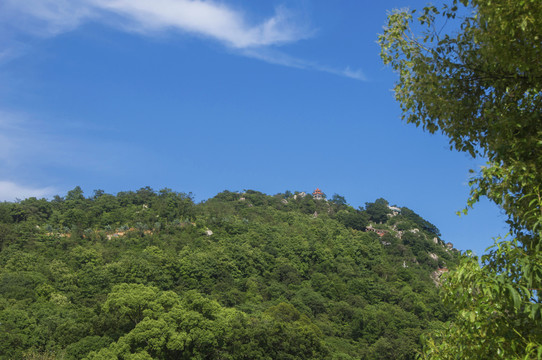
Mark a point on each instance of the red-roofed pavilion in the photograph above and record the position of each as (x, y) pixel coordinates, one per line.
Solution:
(318, 194)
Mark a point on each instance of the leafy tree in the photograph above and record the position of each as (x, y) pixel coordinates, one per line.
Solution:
(144, 195)
(6, 235)
(171, 205)
(35, 210)
(75, 194)
(378, 211)
(338, 199)
(354, 219)
(79, 349)
(480, 84)
(5, 212)
(130, 301)
(288, 194)
(98, 193)
(17, 332)
(419, 221)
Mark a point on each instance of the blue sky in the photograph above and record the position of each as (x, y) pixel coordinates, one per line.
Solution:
(203, 96)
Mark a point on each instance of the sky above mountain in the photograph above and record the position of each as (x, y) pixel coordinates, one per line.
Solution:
(203, 96)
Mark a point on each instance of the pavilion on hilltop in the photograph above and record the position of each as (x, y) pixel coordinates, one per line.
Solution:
(318, 194)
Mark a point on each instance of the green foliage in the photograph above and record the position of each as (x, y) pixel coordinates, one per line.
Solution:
(353, 219)
(378, 211)
(417, 221)
(495, 316)
(146, 275)
(480, 84)
(338, 199)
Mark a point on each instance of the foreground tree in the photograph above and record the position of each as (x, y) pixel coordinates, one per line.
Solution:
(480, 84)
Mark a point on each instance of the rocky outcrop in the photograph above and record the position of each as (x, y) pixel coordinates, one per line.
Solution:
(437, 274)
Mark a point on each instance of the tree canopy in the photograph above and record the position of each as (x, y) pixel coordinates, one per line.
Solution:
(472, 70)
(151, 275)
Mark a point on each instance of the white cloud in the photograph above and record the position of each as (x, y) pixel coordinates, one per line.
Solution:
(354, 74)
(276, 57)
(206, 18)
(9, 53)
(10, 191)
(45, 17)
(209, 19)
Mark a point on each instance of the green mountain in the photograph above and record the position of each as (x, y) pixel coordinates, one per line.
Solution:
(152, 275)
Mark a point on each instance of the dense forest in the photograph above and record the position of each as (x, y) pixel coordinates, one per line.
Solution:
(152, 275)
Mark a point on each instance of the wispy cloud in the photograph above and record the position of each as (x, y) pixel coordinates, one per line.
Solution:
(45, 17)
(24, 140)
(276, 57)
(10, 191)
(29, 145)
(11, 130)
(205, 18)
(15, 144)
(224, 24)
(11, 52)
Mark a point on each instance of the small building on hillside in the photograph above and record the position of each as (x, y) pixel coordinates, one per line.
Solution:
(318, 194)
(380, 232)
(394, 210)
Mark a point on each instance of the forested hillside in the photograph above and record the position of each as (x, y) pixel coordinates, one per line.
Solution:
(152, 275)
